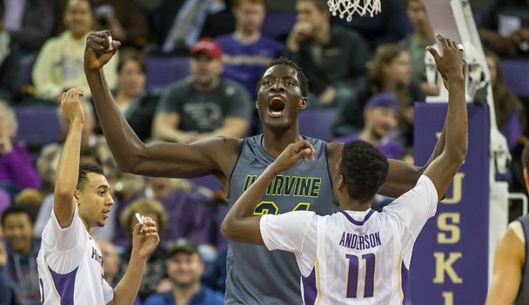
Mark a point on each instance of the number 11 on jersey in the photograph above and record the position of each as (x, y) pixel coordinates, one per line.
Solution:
(352, 274)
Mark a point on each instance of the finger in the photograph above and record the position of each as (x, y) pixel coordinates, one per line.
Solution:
(443, 41)
(434, 53)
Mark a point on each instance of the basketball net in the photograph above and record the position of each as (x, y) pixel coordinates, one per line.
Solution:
(346, 8)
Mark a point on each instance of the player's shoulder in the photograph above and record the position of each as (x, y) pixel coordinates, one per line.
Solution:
(515, 229)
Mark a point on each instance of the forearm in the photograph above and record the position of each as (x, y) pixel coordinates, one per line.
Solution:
(127, 289)
(120, 137)
(68, 167)
(236, 225)
(456, 119)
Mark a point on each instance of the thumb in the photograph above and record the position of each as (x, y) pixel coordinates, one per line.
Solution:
(434, 53)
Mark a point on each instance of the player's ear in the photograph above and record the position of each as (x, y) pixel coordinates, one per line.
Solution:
(340, 184)
(76, 196)
(303, 103)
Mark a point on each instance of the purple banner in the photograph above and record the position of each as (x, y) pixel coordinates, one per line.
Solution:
(450, 258)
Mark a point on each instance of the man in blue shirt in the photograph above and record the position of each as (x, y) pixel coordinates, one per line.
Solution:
(185, 269)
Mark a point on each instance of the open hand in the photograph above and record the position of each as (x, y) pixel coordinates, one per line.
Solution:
(71, 106)
(452, 64)
(99, 50)
(145, 237)
(292, 154)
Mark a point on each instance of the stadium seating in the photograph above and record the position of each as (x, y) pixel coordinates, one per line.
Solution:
(162, 71)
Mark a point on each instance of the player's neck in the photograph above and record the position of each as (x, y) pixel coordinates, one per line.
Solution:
(275, 143)
(85, 223)
(354, 205)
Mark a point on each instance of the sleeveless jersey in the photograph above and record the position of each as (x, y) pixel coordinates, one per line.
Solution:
(254, 274)
(70, 266)
(523, 293)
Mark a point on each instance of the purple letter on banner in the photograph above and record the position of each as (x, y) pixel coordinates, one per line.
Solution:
(450, 258)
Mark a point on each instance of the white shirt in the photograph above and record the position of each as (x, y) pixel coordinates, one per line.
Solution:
(70, 266)
(354, 256)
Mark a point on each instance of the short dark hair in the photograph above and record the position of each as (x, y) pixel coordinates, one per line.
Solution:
(84, 169)
(364, 169)
(525, 156)
(17, 209)
(302, 78)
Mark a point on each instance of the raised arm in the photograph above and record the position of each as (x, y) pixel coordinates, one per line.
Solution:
(442, 170)
(131, 154)
(240, 224)
(68, 167)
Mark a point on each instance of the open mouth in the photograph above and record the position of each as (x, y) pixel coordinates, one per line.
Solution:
(276, 107)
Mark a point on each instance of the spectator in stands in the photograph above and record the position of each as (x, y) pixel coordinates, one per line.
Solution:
(185, 269)
(381, 117)
(417, 42)
(388, 26)
(16, 166)
(505, 27)
(333, 57)
(246, 52)
(9, 63)
(389, 71)
(29, 22)
(510, 112)
(137, 105)
(179, 24)
(94, 149)
(125, 19)
(205, 104)
(59, 64)
(19, 279)
(188, 212)
(154, 272)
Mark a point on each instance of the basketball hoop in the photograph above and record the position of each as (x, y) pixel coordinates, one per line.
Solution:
(346, 8)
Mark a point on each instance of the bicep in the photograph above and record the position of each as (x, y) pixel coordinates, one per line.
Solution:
(177, 160)
(507, 272)
(402, 176)
(64, 210)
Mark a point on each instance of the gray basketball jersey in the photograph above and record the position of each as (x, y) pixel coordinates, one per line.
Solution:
(523, 293)
(256, 275)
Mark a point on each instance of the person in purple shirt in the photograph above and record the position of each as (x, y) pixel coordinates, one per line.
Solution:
(381, 115)
(16, 167)
(246, 52)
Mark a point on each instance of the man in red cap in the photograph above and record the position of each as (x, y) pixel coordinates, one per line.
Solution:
(204, 104)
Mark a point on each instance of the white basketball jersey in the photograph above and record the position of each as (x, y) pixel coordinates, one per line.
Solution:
(70, 266)
(354, 257)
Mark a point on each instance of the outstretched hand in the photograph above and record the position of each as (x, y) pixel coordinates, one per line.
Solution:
(292, 154)
(71, 106)
(451, 65)
(99, 50)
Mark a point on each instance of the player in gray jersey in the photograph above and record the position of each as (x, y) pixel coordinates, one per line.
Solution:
(282, 92)
(510, 279)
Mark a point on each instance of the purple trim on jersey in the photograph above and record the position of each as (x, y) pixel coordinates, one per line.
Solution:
(404, 277)
(310, 293)
(358, 223)
(65, 284)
